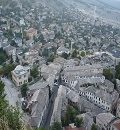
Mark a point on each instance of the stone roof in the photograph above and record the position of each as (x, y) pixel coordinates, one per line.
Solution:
(57, 110)
(91, 89)
(38, 102)
(62, 48)
(20, 70)
(107, 117)
(104, 96)
(84, 67)
(38, 85)
(73, 96)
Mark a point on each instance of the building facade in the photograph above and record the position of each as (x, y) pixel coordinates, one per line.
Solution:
(20, 75)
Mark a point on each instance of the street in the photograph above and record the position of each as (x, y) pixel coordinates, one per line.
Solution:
(10, 91)
(50, 107)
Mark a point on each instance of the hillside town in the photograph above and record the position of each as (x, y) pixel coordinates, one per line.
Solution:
(60, 67)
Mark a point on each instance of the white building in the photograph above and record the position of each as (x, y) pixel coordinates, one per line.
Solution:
(76, 80)
(62, 50)
(99, 97)
(20, 75)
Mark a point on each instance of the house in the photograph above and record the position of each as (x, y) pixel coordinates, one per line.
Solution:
(20, 75)
(22, 22)
(114, 124)
(103, 120)
(70, 63)
(60, 60)
(118, 108)
(16, 29)
(32, 57)
(5, 42)
(88, 120)
(81, 102)
(31, 33)
(72, 81)
(38, 107)
(29, 42)
(37, 85)
(73, 128)
(9, 49)
(18, 41)
(62, 49)
(99, 97)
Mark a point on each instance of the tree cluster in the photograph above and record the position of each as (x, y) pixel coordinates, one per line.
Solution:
(3, 56)
(107, 73)
(10, 118)
(65, 55)
(70, 116)
(6, 70)
(117, 69)
(34, 72)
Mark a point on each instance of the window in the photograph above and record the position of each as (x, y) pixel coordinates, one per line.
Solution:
(20, 77)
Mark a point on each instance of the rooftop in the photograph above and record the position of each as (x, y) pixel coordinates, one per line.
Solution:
(70, 128)
(31, 30)
(114, 51)
(107, 117)
(117, 125)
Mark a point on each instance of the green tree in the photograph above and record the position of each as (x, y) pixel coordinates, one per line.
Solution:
(11, 59)
(74, 53)
(45, 52)
(82, 53)
(93, 127)
(6, 70)
(13, 43)
(10, 117)
(64, 55)
(41, 38)
(14, 118)
(34, 72)
(56, 126)
(24, 89)
(3, 102)
(107, 73)
(78, 122)
(58, 35)
(51, 58)
(117, 69)
(70, 116)
(2, 58)
(17, 60)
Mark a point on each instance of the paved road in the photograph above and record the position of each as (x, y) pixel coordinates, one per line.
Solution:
(10, 91)
(50, 108)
